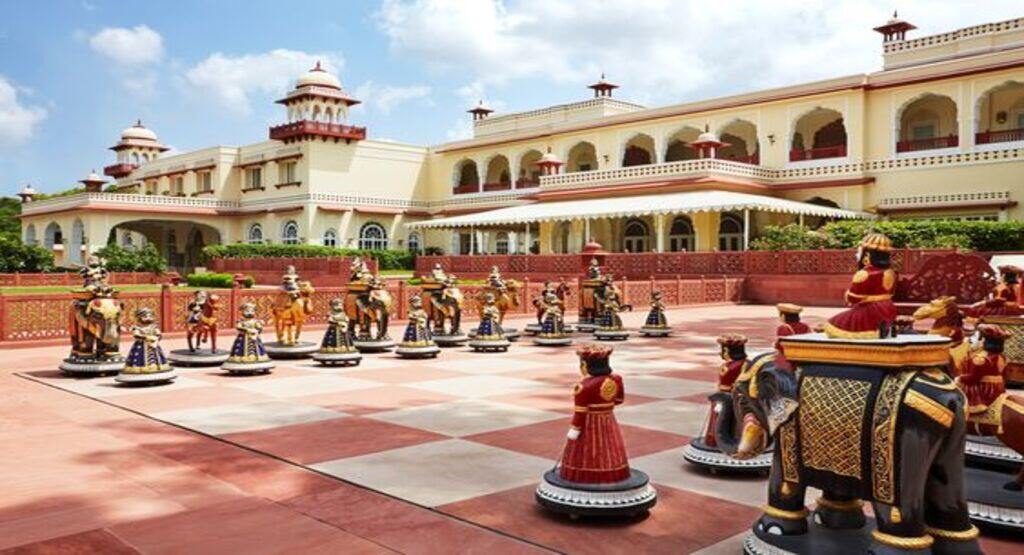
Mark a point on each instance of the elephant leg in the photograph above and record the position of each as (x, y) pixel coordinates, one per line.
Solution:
(213, 339)
(785, 513)
(946, 516)
(841, 512)
(900, 528)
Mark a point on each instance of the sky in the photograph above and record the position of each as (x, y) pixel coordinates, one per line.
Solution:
(74, 73)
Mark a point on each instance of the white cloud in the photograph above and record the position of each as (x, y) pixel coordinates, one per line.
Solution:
(136, 46)
(18, 122)
(232, 80)
(385, 99)
(659, 50)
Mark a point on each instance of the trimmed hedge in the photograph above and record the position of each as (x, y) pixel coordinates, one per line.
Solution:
(924, 234)
(391, 259)
(221, 281)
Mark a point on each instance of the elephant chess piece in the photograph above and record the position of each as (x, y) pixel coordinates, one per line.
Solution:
(553, 332)
(200, 328)
(656, 324)
(94, 326)
(591, 291)
(336, 348)
(368, 304)
(146, 364)
(248, 355)
(995, 495)
(292, 306)
(704, 451)
(873, 420)
(506, 296)
(872, 313)
(593, 476)
(490, 335)
(417, 341)
(609, 305)
(443, 301)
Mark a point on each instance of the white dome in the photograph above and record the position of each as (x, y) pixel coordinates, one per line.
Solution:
(138, 131)
(318, 77)
(707, 137)
(27, 190)
(550, 157)
(93, 176)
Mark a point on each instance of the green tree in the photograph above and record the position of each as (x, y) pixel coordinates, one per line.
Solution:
(18, 257)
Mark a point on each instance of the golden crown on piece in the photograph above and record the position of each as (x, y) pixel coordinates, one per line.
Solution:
(876, 242)
(732, 340)
(593, 351)
(789, 308)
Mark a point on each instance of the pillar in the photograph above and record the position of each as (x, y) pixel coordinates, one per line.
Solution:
(527, 242)
(746, 228)
(659, 233)
(705, 229)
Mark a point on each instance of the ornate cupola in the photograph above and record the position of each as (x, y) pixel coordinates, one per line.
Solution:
(137, 146)
(27, 194)
(895, 29)
(317, 109)
(480, 111)
(602, 88)
(549, 163)
(93, 183)
(707, 143)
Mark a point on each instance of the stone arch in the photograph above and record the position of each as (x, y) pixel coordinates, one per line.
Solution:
(636, 236)
(290, 233)
(254, 235)
(78, 240)
(681, 235)
(53, 235)
(639, 150)
(582, 157)
(999, 113)
(330, 237)
(498, 171)
(529, 172)
(678, 148)
(741, 136)
(730, 232)
(465, 176)
(818, 133)
(373, 236)
(30, 234)
(925, 122)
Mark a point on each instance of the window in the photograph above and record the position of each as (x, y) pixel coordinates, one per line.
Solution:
(177, 185)
(127, 241)
(923, 131)
(254, 178)
(255, 235)
(330, 238)
(372, 236)
(204, 182)
(290, 233)
(288, 172)
(413, 243)
(635, 237)
(730, 233)
(680, 235)
(501, 243)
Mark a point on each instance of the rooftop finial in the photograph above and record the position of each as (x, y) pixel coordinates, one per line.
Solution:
(317, 66)
(138, 122)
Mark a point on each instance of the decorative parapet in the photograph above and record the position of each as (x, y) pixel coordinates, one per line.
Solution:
(950, 200)
(953, 36)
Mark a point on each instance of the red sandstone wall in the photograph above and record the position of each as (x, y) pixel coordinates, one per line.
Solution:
(807, 290)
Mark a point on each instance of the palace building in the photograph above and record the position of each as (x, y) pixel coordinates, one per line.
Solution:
(938, 132)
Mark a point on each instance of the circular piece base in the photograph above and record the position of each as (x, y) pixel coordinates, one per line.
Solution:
(85, 367)
(990, 504)
(199, 357)
(420, 351)
(532, 329)
(556, 341)
(818, 540)
(655, 332)
(490, 345)
(302, 349)
(243, 368)
(989, 452)
(630, 497)
(714, 460)
(374, 345)
(610, 335)
(152, 378)
(338, 359)
(584, 327)
(455, 340)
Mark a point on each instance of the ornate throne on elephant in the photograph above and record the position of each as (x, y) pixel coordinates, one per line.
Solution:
(505, 293)
(591, 290)
(94, 325)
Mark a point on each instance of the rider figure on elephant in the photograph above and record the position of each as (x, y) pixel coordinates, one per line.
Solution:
(872, 313)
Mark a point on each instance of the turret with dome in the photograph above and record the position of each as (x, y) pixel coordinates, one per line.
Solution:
(317, 108)
(137, 146)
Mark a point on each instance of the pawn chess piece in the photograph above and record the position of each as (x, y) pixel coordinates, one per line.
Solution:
(789, 324)
(248, 356)
(656, 325)
(593, 476)
(552, 333)
(489, 336)
(146, 364)
(417, 341)
(336, 348)
(609, 305)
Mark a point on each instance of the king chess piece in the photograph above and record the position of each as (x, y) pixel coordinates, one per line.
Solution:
(200, 328)
(146, 364)
(94, 326)
(292, 306)
(248, 356)
(593, 476)
(336, 348)
(609, 305)
(553, 332)
(490, 335)
(417, 341)
(656, 324)
(704, 451)
(872, 314)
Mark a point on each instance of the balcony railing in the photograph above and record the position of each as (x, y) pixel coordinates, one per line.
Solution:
(497, 186)
(299, 129)
(119, 170)
(754, 159)
(526, 184)
(466, 189)
(1005, 136)
(932, 143)
(799, 155)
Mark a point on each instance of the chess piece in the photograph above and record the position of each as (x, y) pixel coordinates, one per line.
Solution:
(553, 333)
(417, 341)
(445, 303)
(872, 313)
(489, 336)
(947, 321)
(656, 325)
(146, 364)
(336, 348)
(506, 296)
(561, 291)
(368, 304)
(593, 476)
(292, 306)
(1005, 298)
(789, 324)
(94, 326)
(200, 328)
(248, 356)
(591, 293)
(609, 305)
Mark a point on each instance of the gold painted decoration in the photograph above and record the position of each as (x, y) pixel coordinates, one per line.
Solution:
(929, 407)
(867, 353)
(788, 450)
(609, 389)
(831, 414)
(883, 434)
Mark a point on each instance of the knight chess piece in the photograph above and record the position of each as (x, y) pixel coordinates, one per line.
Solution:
(94, 325)
(490, 335)
(200, 328)
(872, 313)
(146, 364)
(443, 301)
(656, 324)
(292, 306)
(789, 324)
(336, 348)
(704, 451)
(593, 476)
(368, 303)
(608, 299)
(872, 420)
(562, 291)
(248, 356)
(417, 341)
(506, 296)
(553, 332)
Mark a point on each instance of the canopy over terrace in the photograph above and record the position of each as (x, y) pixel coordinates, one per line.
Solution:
(644, 209)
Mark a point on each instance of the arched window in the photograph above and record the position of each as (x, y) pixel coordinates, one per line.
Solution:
(53, 235)
(679, 148)
(1000, 114)
(635, 236)
(638, 151)
(413, 243)
(501, 243)
(582, 158)
(290, 233)
(372, 236)
(927, 122)
(30, 235)
(330, 238)
(680, 235)
(730, 233)
(127, 241)
(255, 235)
(824, 129)
(467, 179)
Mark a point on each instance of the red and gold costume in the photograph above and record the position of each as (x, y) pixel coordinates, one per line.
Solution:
(595, 452)
(734, 355)
(790, 324)
(1005, 297)
(982, 379)
(869, 296)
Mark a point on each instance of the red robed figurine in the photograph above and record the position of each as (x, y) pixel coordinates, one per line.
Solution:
(789, 324)
(982, 378)
(594, 452)
(872, 313)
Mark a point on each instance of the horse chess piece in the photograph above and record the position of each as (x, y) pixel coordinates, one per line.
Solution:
(704, 451)
(562, 291)
(444, 301)
(872, 313)
(553, 332)
(417, 341)
(200, 328)
(248, 356)
(292, 306)
(490, 335)
(336, 348)
(609, 305)
(146, 364)
(95, 326)
(506, 296)
(593, 476)
(368, 304)
(656, 324)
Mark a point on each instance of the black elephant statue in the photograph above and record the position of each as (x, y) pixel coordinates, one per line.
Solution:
(891, 436)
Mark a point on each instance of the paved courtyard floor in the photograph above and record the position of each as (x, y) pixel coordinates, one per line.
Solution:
(436, 456)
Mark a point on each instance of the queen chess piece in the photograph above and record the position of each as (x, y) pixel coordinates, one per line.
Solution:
(200, 328)
(593, 476)
(490, 335)
(248, 356)
(553, 332)
(94, 326)
(656, 324)
(336, 348)
(417, 341)
(146, 364)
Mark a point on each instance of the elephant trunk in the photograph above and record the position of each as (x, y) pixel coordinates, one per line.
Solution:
(111, 332)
